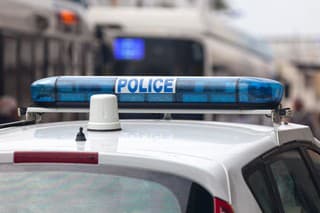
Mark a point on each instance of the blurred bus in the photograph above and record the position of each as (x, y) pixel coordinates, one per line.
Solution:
(167, 37)
(181, 37)
(39, 39)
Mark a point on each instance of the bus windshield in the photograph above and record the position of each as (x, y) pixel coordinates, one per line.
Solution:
(82, 2)
(145, 3)
(157, 56)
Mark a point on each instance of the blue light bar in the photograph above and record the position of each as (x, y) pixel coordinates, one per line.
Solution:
(161, 92)
(129, 48)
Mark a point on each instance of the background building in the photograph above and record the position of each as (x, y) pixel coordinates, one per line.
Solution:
(303, 54)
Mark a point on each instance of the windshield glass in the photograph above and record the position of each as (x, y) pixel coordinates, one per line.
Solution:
(82, 2)
(146, 3)
(157, 56)
(91, 189)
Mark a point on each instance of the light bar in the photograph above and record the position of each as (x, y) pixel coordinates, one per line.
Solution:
(160, 92)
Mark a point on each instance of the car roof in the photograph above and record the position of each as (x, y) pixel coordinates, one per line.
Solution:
(156, 136)
(201, 151)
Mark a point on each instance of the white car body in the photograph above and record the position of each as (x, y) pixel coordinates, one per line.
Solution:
(208, 153)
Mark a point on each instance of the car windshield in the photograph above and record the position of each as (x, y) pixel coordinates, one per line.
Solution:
(97, 189)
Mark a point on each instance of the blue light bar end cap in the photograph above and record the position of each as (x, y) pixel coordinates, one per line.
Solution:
(254, 90)
(43, 90)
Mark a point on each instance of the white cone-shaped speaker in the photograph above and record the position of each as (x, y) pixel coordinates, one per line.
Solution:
(104, 115)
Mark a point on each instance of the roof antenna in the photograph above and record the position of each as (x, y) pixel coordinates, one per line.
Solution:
(80, 135)
(167, 116)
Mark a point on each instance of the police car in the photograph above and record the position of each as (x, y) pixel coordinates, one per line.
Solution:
(130, 166)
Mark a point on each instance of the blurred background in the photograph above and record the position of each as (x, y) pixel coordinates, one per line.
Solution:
(277, 39)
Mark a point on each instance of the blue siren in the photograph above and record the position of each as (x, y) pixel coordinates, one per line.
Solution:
(160, 92)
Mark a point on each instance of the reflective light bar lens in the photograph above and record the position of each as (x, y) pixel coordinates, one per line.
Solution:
(162, 92)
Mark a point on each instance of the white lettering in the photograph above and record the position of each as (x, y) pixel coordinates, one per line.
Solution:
(145, 85)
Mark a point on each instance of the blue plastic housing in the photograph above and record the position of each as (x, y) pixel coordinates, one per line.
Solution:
(188, 92)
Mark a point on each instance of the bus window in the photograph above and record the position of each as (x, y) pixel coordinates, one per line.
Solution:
(77, 59)
(218, 5)
(157, 56)
(145, 3)
(39, 49)
(68, 57)
(10, 70)
(53, 57)
(26, 70)
(82, 57)
(60, 68)
(89, 63)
